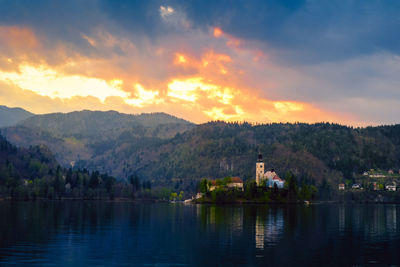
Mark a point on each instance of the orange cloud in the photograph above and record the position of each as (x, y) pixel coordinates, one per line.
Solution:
(17, 37)
(198, 88)
(217, 32)
(232, 104)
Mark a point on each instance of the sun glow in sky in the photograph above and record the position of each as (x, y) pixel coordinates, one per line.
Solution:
(206, 86)
(169, 58)
(48, 82)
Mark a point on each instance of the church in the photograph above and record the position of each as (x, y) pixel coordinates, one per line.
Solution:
(270, 177)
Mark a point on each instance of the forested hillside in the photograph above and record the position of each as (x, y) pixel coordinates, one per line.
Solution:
(80, 136)
(314, 152)
(166, 150)
(34, 173)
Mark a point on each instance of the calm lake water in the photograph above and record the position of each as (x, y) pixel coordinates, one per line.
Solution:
(138, 234)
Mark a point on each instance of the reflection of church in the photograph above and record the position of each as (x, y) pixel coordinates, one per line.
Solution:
(269, 228)
(270, 177)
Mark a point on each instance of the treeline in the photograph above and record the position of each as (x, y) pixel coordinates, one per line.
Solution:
(34, 173)
(291, 193)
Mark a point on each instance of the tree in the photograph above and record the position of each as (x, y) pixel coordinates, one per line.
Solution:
(204, 186)
(94, 180)
(146, 185)
(292, 186)
(275, 192)
(173, 196)
(135, 182)
(58, 184)
(68, 179)
(250, 189)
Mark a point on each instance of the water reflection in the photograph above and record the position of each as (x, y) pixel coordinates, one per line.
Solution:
(125, 234)
(269, 227)
(373, 222)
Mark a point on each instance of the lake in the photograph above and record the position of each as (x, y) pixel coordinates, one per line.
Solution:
(163, 234)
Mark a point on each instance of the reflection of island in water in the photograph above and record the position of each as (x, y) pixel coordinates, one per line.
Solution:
(114, 234)
(269, 228)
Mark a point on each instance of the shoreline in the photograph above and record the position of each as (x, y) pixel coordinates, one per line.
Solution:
(128, 200)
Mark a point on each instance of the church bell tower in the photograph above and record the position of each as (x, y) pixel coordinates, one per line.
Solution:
(259, 169)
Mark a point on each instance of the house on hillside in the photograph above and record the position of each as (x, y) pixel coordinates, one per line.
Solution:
(390, 187)
(356, 186)
(341, 186)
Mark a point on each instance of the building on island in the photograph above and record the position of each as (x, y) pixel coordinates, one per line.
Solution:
(236, 182)
(270, 177)
(213, 185)
(259, 169)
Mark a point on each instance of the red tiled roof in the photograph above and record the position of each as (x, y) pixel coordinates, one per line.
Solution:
(236, 180)
(276, 177)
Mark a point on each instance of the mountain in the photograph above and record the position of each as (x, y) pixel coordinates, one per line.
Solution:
(167, 150)
(11, 116)
(81, 136)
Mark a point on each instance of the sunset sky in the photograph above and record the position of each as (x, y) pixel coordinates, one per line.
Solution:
(256, 61)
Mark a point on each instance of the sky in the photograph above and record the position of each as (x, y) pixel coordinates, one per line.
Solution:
(257, 61)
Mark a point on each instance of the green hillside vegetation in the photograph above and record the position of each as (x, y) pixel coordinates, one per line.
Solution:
(171, 152)
(82, 136)
(11, 116)
(33, 173)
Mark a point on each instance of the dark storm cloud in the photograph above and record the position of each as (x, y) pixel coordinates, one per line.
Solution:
(315, 30)
(299, 31)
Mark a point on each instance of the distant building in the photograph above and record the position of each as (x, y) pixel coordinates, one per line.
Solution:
(213, 185)
(356, 186)
(379, 175)
(390, 187)
(236, 182)
(259, 169)
(376, 186)
(276, 180)
(341, 186)
(391, 171)
(270, 177)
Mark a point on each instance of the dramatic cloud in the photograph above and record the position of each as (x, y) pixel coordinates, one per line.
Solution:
(259, 61)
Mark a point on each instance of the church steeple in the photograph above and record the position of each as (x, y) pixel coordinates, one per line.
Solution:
(259, 169)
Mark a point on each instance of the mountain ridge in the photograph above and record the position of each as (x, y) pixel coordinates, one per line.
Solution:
(11, 116)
